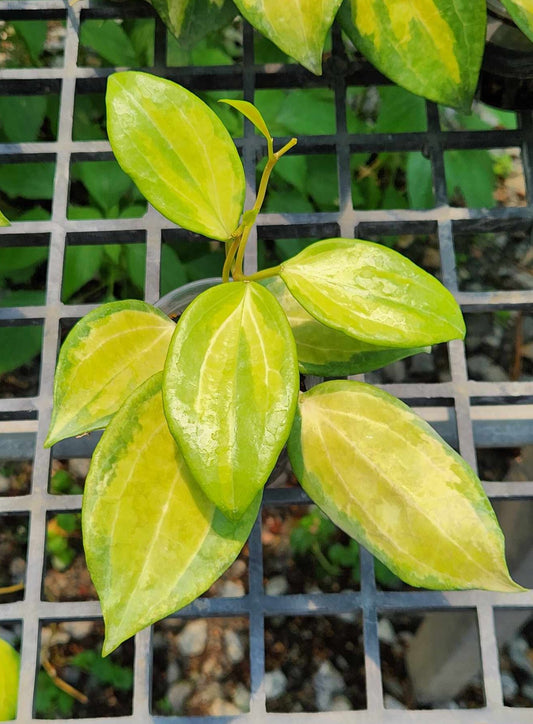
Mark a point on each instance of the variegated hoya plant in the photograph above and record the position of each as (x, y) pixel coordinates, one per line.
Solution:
(196, 413)
(433, 48)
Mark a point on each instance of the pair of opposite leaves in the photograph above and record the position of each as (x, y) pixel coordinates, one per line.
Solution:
(351, 304)
(433, 48)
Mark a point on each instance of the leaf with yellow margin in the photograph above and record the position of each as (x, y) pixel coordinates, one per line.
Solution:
(152, 539)
(105, 357)
(177, 151)
(9, 681)
(298, 27)
(522, 13)
(386, 478)
(433, 48)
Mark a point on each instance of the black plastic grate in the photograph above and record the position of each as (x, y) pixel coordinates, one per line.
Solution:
(468, 413)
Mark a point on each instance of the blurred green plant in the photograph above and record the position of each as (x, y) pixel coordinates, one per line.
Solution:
(316, 536)
(61, 532)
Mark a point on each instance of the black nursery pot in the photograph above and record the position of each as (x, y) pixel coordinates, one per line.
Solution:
(506, 79)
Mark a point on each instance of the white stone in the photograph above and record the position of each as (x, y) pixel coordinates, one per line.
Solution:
(276, 586)
(391, 703)
(173, 673)
(519, 655)
(241, 697)
(234, 647)
(232, 589)
(275, 683)
(386, 632)
(193, 639)
(223, 708)
(79, 467)
(178, 694)
(327, 681)
(78, 630)
(509, 685)
(341, 703)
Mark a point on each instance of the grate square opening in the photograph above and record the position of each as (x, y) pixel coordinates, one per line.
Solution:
(14, 530)
(32, 43)
(314, 663)
(384, 109)
(116, 42)
(26, 189)
(201, 667)
(16, 472)
(514, 634)
(20, 359)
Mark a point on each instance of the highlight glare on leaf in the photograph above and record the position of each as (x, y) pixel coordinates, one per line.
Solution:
(386, 478)
(153, 541)
(230, 386)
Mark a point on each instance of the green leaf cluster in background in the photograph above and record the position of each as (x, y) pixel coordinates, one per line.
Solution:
(196, 414)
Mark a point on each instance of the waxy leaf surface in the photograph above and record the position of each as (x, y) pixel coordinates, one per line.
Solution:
(177, 151)
(106, 356)
(373, 294)
(386, 478)
(298, 27)
(522, 13)
(153, 541)
(431, 47)
(230, 389)
(326, 351)
(9, 681)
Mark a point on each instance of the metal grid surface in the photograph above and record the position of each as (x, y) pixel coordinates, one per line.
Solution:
(468, 412)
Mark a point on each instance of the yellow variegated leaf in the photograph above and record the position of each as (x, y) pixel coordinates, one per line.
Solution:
(522, 13)
(9, 681)
(251, 113)
(106, 356)
(191, 20)
(152, 539)
(431, 47)
(177, 151)
(298, 27)
(3, 220)
(386, 478)
(230, 387)
(372, 293)
(326, 351)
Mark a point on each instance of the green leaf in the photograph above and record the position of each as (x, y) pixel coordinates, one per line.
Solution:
(400, 111)
(173, 272)
(21, 117)
(105, 181)
(21, 298)
(14, 258)
(419, 182)
(82, 264)
(298, 27)
(386, 478)
(33, 33)
(28, 180)
(9, 681)
(325, 351)
(230, 386)
(105, 357)
(251, 113)
(373, 294)
(138, 482)
(105, 671)
(18, 346)
(471, 175)
(430, 47)
(108, 39)
(177, 151)
(521, 12)
(4, 221)
(191, 20)
(135, 255)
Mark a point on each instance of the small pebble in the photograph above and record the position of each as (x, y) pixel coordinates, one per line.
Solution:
(223, 708)
(276, 586)
(527, 691)
(386, 632)
(79, 467)
(509, 686)
(78, 630)
(193, 639)
(5, 484)
(17, 569)
(341, 703)
(519, 652)
(275, 683)
(241, 698)
(173, 673)
(232, 589)
(327, 681)
(391, 703)
(234, 647)
(178, 694)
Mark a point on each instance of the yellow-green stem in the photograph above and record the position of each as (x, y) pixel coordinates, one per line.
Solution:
(230, 257)
(263, 274)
